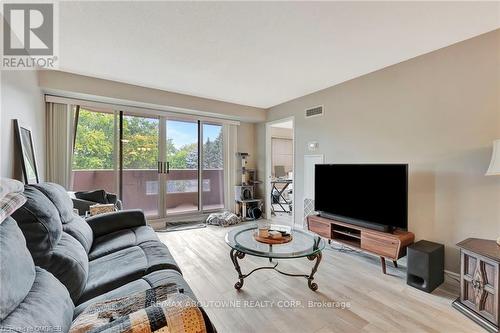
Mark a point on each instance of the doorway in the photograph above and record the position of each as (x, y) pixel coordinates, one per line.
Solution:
(280, 157)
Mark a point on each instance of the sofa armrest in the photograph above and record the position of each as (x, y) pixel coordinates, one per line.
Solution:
(103, 224)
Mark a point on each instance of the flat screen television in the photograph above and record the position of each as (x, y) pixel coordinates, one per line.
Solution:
(369, 195)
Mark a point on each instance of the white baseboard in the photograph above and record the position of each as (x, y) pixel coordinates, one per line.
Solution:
(453, 274)
(451, 277)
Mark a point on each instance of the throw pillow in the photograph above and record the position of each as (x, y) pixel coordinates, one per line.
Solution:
(8, 185)
(10, 203)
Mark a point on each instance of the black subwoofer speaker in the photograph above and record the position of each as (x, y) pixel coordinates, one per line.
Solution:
(425, 265)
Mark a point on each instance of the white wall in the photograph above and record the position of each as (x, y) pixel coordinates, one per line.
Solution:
(438, 112)
(246, 142)
(23, 100)
(91, 88)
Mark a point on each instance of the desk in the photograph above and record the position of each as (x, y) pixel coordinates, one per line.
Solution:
(287, 203)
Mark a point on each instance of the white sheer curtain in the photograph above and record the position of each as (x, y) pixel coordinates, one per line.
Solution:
(230, 133)
(60, 129)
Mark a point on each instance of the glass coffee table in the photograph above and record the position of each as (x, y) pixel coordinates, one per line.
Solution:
(303, 244)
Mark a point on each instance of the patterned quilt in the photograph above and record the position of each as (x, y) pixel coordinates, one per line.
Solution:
(162, 309)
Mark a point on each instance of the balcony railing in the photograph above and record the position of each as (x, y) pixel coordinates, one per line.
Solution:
(141, 188)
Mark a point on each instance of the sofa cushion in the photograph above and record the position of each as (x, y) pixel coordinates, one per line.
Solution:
(52, 249)
(81, 231)
(69, 263)
(158, 256)
(112, 242)
(31, 299)
(114, 270)
(39, 220)
(72, 223)
(121, 239)
(121, 267)
(47, 307)
(59, 197)
(17, 270)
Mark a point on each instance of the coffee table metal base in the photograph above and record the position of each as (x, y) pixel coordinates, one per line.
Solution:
(235, 255)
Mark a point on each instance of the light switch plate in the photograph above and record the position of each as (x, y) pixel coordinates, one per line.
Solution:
(312, 145)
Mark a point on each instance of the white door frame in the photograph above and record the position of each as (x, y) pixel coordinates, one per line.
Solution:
(269, 163)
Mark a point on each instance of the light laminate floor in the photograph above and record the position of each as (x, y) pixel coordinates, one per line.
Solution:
(283, 219)
(353, 294)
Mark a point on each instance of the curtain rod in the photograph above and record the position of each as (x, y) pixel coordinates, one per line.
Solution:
(140, 110)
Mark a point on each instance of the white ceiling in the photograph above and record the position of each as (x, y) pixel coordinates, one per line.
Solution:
(257, 54)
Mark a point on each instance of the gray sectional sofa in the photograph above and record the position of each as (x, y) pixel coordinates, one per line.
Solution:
(54, 263)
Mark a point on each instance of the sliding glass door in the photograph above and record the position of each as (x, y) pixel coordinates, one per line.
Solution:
(182, 167)
(162, 165)
(95, 151)
(212, 173)
(139, 163)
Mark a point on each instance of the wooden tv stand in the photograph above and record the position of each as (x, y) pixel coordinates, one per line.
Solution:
(391, 245)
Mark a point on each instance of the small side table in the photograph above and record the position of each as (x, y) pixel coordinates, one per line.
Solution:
(480, 282)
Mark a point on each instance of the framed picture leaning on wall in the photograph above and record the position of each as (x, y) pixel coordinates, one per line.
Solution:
(26, 152)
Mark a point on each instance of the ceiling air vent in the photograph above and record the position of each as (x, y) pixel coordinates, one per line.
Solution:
(314, 112)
